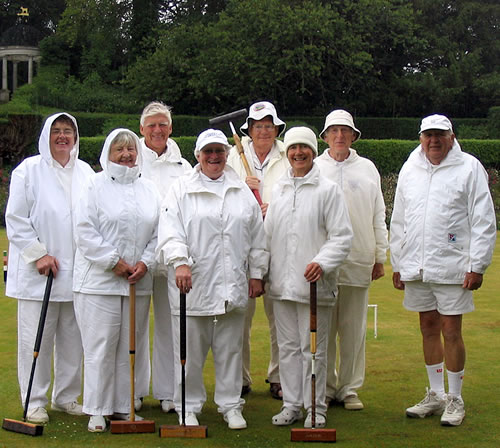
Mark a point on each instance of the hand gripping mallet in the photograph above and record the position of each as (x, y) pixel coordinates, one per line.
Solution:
(193, 432)
(133, 425)
(24, 427)
(314, 434)
(230, 117)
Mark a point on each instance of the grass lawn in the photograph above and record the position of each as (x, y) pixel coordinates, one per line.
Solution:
(395, 379)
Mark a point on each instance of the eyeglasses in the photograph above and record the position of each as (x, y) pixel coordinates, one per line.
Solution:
(267, 127)
(211, 151)
(67, 132)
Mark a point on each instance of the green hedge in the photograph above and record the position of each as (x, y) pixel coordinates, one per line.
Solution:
(388, 155)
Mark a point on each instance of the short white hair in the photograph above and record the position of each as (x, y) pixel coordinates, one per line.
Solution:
(154, 108)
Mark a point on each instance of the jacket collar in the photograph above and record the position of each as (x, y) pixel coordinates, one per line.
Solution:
(194, 183)
(454, 157)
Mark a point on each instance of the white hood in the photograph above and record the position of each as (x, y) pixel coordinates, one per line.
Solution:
(44, 140)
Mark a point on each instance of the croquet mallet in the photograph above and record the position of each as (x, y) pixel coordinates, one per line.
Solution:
(192, 432)
(23, 427)
(229, 118)
(313, 434)
(132, 425)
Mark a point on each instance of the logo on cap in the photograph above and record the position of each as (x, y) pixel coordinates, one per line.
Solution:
(259, 107)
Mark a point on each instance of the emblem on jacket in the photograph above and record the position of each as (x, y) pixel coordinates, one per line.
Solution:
(452, 238)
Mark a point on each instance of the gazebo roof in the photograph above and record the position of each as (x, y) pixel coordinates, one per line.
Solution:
(21, 35)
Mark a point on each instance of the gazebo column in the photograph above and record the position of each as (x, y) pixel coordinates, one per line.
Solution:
(4, 73)
(14, 75)
(30, 70)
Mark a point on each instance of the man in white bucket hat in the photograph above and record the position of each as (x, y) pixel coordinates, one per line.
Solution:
(360, 182)
(443, 232)
(267, 158)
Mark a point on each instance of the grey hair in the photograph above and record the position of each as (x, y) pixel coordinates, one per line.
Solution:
(124, 138)
(156, 107)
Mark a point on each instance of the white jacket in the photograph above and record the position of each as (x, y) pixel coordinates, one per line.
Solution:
(278, 165)
(117, 218)
(360, 181)
(307, 221)
(443, 222)
(39, 220)
(221, 238)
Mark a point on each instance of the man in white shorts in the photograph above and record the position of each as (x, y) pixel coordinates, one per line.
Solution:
(443, 232)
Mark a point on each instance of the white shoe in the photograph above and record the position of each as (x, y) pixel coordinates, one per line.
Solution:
(454, 412)
(319, 423)
(430, 405)
(190, 419)
(126, 417)
(97, 423)
(167, 406)
(235, 420)
(287, 417)
(72, 408)
(138, 404)
(37, 415)
(353, 403)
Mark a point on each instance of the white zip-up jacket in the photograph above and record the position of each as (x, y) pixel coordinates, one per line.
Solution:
(307, 221)
(443, 223)
(39, 220)
(278, 165)
(360, 181)
(117, 218)
(221, 237)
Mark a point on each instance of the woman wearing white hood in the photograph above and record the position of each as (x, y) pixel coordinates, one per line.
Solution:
(43, 193)
(116, 234)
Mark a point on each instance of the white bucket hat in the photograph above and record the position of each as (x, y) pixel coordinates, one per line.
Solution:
(260, 110)
(340, 117)
(301, 135)
(436, 122)
(210, 136)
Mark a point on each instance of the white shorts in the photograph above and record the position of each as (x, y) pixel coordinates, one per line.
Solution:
(448, 300)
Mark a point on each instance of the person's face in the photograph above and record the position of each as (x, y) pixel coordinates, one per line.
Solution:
(436, 144)
(61, 141)
(339, 138)
(123, 154)
(156, 131)
(301, 158)
(212, 159)
(263, 133)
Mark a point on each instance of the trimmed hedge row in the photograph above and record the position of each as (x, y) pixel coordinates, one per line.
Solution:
(388, 155)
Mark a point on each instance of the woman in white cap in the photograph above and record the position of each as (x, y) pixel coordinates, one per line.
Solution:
(116, 234)
(267, 158)
(308, 235)
(212, 238)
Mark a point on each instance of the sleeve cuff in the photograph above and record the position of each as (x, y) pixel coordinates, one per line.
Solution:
(34, 252)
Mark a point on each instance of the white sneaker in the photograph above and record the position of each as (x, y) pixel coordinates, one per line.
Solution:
(167, 406)
(190, 419)
(126, 417)
(37, 415)
(138, 404)
(235, 420)
(431, 404)
(72, 408)
(97, 423)
(287, 417)
(353, 403)
(319, 423)
(454, 412)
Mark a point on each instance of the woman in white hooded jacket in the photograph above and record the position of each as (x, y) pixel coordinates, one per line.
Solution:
(44, 191)
(116, 234)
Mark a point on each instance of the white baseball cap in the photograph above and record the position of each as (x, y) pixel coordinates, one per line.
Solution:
(340, 117)
(210, 136)
(261, 110)
(436, 122)
(301, 135)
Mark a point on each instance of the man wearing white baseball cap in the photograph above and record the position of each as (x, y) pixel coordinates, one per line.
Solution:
(266, 155)
(360, 181)
(443, 232)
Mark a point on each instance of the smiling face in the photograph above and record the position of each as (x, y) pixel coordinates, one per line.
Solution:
(263, 133)
(436, 144)
(212, 159)
(339, 139)
(301, 159)
(62, 140)
(156, 131)
(123, 153)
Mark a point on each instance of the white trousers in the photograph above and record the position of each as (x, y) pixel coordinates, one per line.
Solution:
(224, 335)
(273, 370)
(104, 324)
(294, 341)
(61, 336)
(163, 348)
(348, 326)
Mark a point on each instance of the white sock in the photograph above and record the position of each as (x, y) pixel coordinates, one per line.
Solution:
(436, 378)
(455, 381)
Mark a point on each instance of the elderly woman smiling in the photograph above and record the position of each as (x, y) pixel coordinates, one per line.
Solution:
(116, 234)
